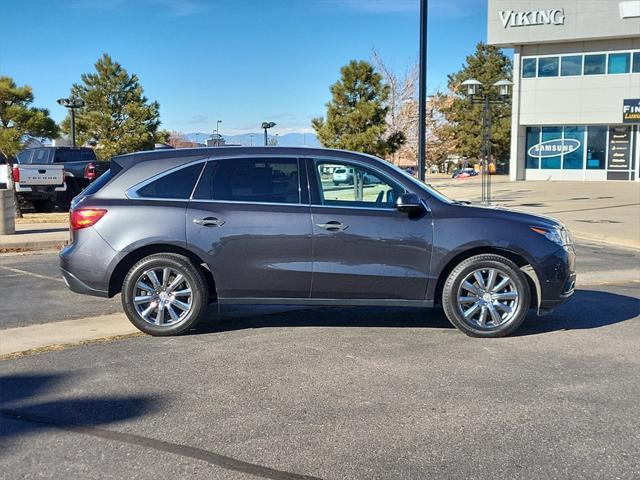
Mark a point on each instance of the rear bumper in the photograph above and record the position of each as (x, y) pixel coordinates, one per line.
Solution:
(78, 286)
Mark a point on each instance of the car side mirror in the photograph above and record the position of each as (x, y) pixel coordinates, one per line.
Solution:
(408, 202)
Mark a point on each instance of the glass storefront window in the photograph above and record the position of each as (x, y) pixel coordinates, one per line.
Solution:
(551, 133)
(636, 62)
(533, 138)
(573, 160)
(571, 65)
(596, 147)
(619, 63)
(529, 66)
(595, 64)
(548, 67)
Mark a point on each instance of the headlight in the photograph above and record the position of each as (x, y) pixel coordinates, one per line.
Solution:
(558, 235)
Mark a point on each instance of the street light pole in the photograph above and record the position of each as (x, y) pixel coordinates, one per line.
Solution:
(474, 88)
(422, 92)
(72, 104)
(218, 127)
(266, 126)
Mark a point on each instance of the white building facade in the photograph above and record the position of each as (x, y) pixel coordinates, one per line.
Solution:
(576, 92)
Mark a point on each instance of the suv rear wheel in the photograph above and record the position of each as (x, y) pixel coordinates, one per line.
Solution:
(164, 294)
(486, 296)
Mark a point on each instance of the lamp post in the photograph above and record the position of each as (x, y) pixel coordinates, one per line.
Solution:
(218, 126)
(266, 126)
(422, 92)
(475, 90)
(72, 104)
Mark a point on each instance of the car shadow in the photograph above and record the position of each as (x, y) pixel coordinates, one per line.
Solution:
(21, 411)
(587, 309)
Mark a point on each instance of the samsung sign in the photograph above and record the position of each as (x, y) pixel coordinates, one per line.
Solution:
(554, 148)
(554, 16)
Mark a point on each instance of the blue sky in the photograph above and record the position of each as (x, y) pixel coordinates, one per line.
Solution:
(241, 61)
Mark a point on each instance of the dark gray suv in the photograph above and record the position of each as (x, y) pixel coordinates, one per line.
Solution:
(175, 230)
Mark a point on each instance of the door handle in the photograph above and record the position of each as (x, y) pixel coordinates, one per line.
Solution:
(332, 226)
(208, 222)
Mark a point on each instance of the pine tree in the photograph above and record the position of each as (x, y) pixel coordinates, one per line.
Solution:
(117, 116)
(19, 120)
(356, 113)
(487, 65)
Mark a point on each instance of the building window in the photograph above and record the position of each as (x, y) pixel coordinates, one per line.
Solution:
(619, 63)
(549, 134)
(573, 137)
(596, 147)
(571, 65)
(533, 139)
(548, 67)
(529, 66)
(595, 64)
(636, 62)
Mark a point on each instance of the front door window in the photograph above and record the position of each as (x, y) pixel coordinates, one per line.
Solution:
(346, 185)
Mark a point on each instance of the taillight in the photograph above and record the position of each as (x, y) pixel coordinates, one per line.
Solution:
(15, 174)
(90, 171)
(85, 217)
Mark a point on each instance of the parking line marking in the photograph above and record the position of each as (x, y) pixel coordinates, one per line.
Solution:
(24, 272)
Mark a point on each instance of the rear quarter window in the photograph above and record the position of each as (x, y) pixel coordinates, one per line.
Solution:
(176, 185)
(63, 156)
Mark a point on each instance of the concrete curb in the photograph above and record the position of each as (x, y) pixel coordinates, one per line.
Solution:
(612, 241)
(31, 246)
(22, 339)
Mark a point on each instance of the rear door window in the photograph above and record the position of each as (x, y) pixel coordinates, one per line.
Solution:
(176, 185)
(87, 155)
(67, 155)
(262, 180)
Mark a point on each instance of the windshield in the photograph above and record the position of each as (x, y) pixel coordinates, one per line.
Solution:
(432, 191)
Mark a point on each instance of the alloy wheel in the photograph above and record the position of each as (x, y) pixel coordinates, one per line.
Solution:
(162, 296)
(487, 298)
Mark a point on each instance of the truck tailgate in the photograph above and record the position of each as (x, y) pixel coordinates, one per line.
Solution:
(41, 174)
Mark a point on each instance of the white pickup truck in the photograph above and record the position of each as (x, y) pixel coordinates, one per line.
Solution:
(33, 182)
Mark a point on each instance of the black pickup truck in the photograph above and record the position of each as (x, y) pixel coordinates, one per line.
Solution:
(80, 165)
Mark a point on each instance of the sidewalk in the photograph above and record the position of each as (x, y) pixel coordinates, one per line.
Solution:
(35, 236)
(604, 212)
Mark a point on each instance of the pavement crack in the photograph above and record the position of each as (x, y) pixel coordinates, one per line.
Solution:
(222, 461)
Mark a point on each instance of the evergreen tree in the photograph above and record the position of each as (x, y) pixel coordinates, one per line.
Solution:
(356, 113)
(116, 116)
(487, 65)
(19, 120)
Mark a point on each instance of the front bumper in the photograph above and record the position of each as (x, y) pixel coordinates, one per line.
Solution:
(557, 278)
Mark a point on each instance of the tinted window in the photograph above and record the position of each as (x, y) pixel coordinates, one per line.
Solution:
(571, 65)
(594, 64)
(97, 184)
(24, 156)
(67, 155)
(362, 188)
(38, 156)
(87, 155)
(533, 138)
(529, 66)
(636, 62)
(176, 185)
(619, 63)
(596, 147)
(548, 134)
(548, 67)
(265, 180)
(573, 160)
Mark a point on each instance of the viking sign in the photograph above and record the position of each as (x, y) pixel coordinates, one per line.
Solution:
(554, 16)
(554, 148)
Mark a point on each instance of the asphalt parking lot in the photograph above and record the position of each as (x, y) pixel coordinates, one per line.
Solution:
(353, 393)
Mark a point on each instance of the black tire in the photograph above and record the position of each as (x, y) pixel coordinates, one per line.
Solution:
(505, 268)
(179, 264)
(336, 183)
(63, 199)
(44, 206)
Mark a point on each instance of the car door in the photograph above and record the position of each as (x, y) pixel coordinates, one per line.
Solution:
(363, 247)
(250, 221)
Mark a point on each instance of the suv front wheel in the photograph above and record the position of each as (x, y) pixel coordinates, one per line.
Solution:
(164, 294)
(486, 296)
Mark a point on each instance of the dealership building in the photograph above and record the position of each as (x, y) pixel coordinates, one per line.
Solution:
(576, 92)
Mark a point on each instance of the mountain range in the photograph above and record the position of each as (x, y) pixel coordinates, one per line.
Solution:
(293, 139)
